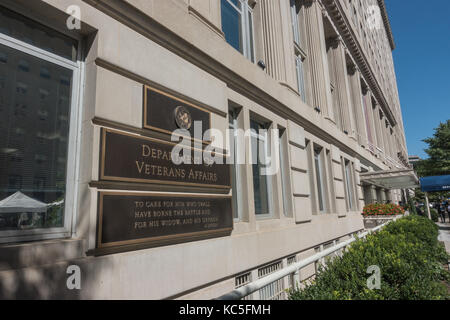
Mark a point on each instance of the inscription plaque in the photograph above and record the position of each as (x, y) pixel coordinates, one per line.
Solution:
(159, 219)
(131, 158)
(161, 111)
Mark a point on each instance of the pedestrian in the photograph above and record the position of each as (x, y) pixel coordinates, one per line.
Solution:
(418, 209)
(441, 211)
(448, 210)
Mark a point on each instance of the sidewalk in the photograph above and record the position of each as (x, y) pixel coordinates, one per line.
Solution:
(444, 234)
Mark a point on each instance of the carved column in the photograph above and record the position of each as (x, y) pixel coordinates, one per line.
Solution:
(273, 39)
(370, 112)
(341, 83)
(320, 78)
(360, 122)
(377, 120)
(373, 194)
(383, 132)
(367, 108)
(287, 32)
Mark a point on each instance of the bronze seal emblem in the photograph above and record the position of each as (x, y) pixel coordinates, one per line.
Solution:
(183, 118)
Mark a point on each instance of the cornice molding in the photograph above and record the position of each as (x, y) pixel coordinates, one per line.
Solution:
(387, 24)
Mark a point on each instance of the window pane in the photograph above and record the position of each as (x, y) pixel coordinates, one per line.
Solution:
(232, 25)
(295, 23)
(284, 170)
(234, 171)
(17, 26)
(250, 37)
(260, 182)
(319, 179)
(349, 185)
(300, 78)
(34, 126)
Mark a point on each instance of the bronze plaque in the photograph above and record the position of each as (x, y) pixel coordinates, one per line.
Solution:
(166, 113)
(160, 219)
(131, 158)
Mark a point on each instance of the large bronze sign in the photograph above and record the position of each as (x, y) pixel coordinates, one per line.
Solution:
(166, 113)
(130, 219)
(131, 158)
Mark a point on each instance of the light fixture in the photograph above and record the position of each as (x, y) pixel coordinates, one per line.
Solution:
(261, 64)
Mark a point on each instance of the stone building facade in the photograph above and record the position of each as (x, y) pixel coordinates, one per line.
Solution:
(320, 71)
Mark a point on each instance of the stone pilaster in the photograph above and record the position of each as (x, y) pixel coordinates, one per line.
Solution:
(318, 64)
(287, 32)
(373, 194)
(371, 119)
(273, 39)
(338, 179)
(360, 122)
(378, 126)
(341, 84)
(384, 128)
(299, 173)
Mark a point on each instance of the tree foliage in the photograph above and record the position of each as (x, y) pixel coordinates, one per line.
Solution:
(438, 163)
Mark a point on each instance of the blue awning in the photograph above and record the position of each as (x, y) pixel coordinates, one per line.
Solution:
(435, 184)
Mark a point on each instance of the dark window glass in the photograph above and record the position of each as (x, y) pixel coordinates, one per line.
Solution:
(19, 27)
(260, 181)
(33, 142)
(232, 24)
(319, 178)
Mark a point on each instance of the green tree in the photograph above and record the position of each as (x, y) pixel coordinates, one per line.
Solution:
(438, 163)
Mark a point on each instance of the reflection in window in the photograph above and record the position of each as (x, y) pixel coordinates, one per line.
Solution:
(3, 57)
(45, 73)
(24, 66)
(261, 183)
(21, 88)
(33, 146)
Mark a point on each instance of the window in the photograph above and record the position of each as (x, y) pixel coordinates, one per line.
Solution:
(349, 188)
(41, 179)
(300, 76)
(295, 8)
(237, 25)
(235, 168)
(299, 46)
(319, 172)
(285, 174)
(260, 157)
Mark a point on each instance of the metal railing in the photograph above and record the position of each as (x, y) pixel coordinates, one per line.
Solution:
(256, 285)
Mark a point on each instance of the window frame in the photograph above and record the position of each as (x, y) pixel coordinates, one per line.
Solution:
(237, 196)
(320, 178)
(247, 27)
(73, 143)
(299, 47)
(269, 179)
(349, 185)
(285, 174)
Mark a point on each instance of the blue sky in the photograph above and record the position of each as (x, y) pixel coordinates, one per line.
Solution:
(422, 61)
